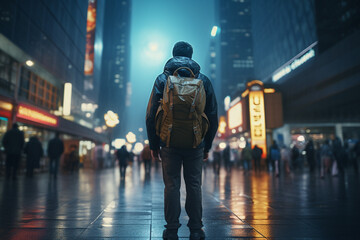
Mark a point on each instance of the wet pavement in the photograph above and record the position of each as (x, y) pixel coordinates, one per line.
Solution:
(97, 205)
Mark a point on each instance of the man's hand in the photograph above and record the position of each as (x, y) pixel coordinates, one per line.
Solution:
(155, 155)
(206, 156)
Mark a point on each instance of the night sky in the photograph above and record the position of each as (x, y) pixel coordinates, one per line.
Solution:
(156, 26)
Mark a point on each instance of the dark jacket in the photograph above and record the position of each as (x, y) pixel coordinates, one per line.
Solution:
(157, 93)
(55, 148)
(123, 156)
(34, 151)
(13, 141)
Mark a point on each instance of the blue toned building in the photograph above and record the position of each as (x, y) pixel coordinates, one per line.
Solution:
(42, 50)
(236, 45)
(114, 87)
(309, 50)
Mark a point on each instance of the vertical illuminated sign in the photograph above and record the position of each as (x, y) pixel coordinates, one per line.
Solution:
(90, 38)
(257, 120)
(67, 99)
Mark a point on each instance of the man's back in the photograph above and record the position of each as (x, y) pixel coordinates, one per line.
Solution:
(55, 148)
(13, 141)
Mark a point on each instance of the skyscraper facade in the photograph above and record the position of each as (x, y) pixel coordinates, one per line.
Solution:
(236, 45)
(115, 61)
(42, 53)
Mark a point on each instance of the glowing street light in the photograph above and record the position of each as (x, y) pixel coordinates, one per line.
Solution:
(111, 119)
(131, 137)
(29, 63)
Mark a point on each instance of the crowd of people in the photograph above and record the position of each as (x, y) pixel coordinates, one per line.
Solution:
(327, 157)
(15, 146)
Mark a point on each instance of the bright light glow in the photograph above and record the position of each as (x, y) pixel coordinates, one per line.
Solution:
(118, 143)
(106, 148)
(214, 31)
(146, 141)
(141, 129)
(153, 46)
(6, 105)
(233, 131)
(301, 138)
(128, 147)
(235, 116)
(29, 63)
(131, 137)
(227, 100)
(36, 115)
(222, 125)
(269, 90)
(222, 145)
(138, 148)
(67, 99)
(88, 115)
(111, 119)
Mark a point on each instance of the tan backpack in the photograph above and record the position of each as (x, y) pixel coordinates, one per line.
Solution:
(180, 118)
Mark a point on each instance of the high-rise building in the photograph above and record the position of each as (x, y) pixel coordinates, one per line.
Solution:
(42, 53)
(310, 51)
(236, 45)
(281, 30)
(115, 61)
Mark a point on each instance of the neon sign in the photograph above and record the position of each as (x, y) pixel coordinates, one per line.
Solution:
(293, 65)
(257, 120)
(36, 115)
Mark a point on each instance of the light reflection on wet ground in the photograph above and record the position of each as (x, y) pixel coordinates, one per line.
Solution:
(97, 205)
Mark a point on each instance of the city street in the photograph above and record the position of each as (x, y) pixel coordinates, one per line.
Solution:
(97, 205)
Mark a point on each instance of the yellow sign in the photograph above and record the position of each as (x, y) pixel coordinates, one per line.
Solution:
(222, 125)
(257, 120)
(5, 105)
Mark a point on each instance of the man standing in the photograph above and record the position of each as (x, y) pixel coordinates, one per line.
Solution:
(256, 154)
(13, 143)
(184, 133)
(55, 150)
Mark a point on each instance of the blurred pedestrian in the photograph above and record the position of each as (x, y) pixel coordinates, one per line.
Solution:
(124, 157)
(146, 158)
(226, 157)
(13, 143)
(339, 154)
(285, 158)
(74, 159)
(310, 155)
(246, 157)
(326, 158)
(55, 150)
(34, 152)
(256, 154)
(216, 160)
(275, 157)
(295, 154)
(356, 155)
(185, 133)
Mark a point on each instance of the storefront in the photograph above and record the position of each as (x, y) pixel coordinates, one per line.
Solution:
(253, 115)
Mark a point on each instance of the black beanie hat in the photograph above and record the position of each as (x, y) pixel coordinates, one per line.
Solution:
(182, 49)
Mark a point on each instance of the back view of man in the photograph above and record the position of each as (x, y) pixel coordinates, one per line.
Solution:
(192, 150)
(55, 150)
(13, 143)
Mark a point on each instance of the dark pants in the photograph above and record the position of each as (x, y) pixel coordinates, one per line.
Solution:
(257, 164)
(147, 165)
(172, 161)
(12, 163)
(122, 170)
(54, 165)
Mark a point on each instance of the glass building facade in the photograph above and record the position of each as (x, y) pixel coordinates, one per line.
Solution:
(281, 30)
(236, 45)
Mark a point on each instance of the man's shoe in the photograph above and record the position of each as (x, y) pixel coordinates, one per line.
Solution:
(197, 234)
(170, 234)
